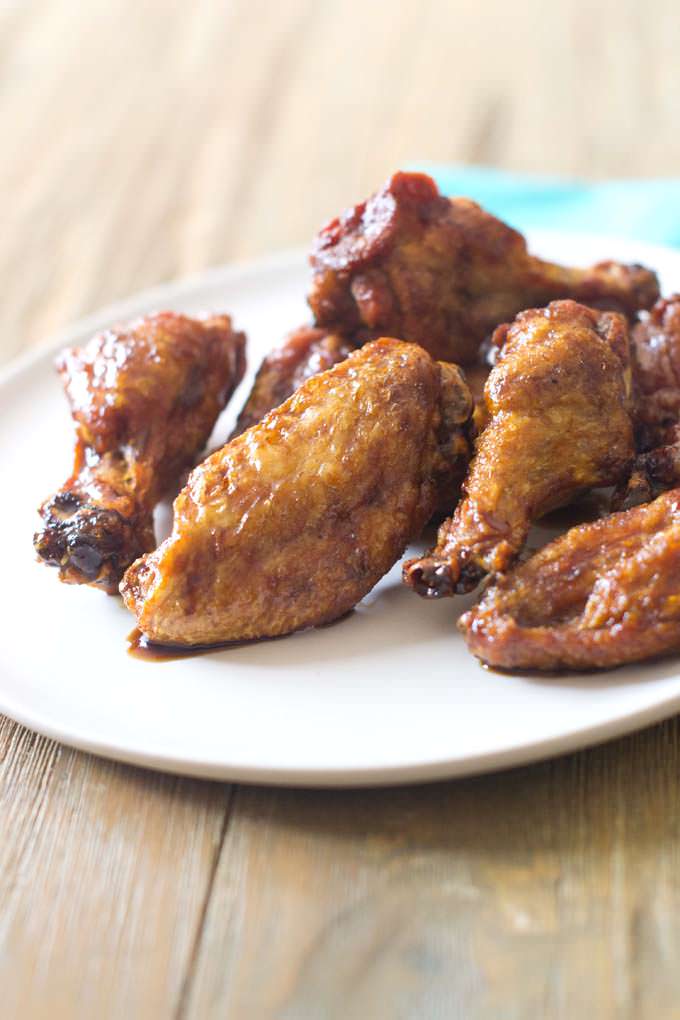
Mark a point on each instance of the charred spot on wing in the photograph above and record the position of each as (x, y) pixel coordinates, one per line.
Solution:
(430, 579)
(86, 542)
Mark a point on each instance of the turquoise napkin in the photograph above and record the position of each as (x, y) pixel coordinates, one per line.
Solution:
(643, 210)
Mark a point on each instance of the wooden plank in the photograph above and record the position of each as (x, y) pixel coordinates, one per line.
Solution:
(104, 876)
(549, 891)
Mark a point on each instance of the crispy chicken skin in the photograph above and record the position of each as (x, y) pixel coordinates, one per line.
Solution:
(558, 407)
(304, 353)
(444, 273)
(294, 521)
(601, 595)
(655, 349)
(144, 398)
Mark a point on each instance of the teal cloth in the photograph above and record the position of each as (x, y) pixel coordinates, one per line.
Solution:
(642, 210)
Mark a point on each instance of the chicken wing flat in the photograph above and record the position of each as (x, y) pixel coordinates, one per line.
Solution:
(304, 353)
(294, 521)
(655, 352)
(144, 398)
(601, 595)
(444, 273)
(558, 407)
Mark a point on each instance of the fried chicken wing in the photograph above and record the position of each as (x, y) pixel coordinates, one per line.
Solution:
(144, 398)
(655, 351)
(558, 407)
(294, 521)
(304, 353)
(601, 595)
(444, 273)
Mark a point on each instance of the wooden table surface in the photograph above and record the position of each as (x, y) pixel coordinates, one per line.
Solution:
(141, 141)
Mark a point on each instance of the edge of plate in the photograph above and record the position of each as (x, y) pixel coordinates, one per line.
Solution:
(147, 300)
(286, 259)
(394, 775)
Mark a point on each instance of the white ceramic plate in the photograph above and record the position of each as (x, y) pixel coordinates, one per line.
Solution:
(386, 695)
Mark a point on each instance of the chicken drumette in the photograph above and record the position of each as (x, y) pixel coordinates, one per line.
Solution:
(601, 595)
(304, 353)
(293, 522)
(558, 406)
(444, 273)
(144, 398)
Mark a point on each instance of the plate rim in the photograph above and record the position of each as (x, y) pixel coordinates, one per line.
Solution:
(515, 755)
(150, 297)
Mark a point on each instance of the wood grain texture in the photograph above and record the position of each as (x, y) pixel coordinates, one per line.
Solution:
(142, 141)
(550, 891)
(104, 876)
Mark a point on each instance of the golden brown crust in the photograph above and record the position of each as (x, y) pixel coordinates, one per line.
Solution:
(304, 353)
(144, 398)
(443, 273)
(295, 520)
(601, 595)
(558, 408)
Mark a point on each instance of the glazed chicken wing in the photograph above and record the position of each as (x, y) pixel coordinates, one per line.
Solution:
(444, 273)
(144, 399)
(294, 521)
(601, 595)
(558, 407)
(655, 349)
(306, 352)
